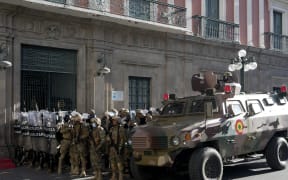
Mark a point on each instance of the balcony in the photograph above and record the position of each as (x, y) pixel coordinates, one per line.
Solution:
(215, 29)
(277, 42)
(147, 10)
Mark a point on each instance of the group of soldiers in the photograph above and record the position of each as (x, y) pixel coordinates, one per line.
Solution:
(46, 139)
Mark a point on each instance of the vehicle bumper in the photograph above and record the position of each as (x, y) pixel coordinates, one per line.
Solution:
(160, 160)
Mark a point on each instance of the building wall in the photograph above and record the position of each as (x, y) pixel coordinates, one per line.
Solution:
(169, 60)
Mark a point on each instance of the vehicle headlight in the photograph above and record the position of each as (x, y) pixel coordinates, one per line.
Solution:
(175, 140)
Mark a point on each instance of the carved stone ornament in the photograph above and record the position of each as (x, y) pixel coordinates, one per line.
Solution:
(53, 32)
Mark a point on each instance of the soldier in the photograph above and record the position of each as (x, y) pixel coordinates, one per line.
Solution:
(106, 124)
(128, 126)
(116, 139)
(96, 142)
(140, 117)
(149, 116)
(80, 134)
(66, 131)
(125, 118)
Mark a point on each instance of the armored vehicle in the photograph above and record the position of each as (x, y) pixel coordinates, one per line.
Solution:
(200, 134)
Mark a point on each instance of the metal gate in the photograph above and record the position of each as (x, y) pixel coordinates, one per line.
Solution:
(48, 78)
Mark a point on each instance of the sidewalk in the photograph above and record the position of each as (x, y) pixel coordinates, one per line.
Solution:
(27, 173)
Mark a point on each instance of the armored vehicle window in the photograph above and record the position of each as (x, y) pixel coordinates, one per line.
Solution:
(254, 107)
(281, 101)
(234, 108)
(198, 105)
(268, 101)
(173, 108)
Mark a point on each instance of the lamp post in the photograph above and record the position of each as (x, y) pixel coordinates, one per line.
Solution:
(243, 64)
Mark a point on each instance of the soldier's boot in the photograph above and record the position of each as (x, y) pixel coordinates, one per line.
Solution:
(33, 158)
(99, 175)
(120, 175)
(60, 166)
(83, 173)
(83, 167)
(120, 170)
(74, 170)
(41, 159)
(16, 154)
(72, 167)
(51, 163)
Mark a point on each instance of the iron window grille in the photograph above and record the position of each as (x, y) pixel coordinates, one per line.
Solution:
(215, 29)
(48, 78)
(139, 93)
(148, 10)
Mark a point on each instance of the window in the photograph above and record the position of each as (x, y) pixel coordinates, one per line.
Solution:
(58, 1)
(212, 12)
(139, 9)
(173, 109)
(277, 28)
(197, 106)
(254, 107)
(48, 78)
(234, 108)
(139, 93)
(268, 101)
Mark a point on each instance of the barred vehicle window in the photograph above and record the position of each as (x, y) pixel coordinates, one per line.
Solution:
(254, 106)
(234, 108)
(173, 108)
(198, 105)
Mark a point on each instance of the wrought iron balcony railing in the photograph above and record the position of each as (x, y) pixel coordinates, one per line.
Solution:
(215, 29)
(149, 10)
(277, 42)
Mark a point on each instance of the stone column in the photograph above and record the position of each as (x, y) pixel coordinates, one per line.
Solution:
(3, 115)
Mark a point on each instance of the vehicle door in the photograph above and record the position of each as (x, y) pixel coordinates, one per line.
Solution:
(234, 128)
(258, 126)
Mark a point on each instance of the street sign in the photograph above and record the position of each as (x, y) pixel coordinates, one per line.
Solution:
(117, 95)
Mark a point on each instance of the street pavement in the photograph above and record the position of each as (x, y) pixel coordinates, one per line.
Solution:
(255, 170)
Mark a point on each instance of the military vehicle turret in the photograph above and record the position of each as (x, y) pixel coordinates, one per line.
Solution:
(200, 134)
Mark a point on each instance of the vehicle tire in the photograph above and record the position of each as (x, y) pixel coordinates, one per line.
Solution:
(276, 153)
(205, 163)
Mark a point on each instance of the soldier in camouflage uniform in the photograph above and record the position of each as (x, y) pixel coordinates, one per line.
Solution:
(96, 143)
(80, 134)
(128, 125)
(66, 131)
(116, 139)
(140, 117)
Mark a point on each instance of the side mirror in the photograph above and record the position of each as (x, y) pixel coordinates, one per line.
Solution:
(208, 110)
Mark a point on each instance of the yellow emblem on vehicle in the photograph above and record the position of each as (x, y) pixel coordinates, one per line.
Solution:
(239, 126)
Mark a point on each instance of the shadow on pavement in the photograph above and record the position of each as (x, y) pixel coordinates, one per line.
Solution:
(245, 170)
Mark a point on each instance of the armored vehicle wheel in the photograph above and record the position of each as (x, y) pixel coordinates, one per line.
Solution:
(205, 163)
(277, 153)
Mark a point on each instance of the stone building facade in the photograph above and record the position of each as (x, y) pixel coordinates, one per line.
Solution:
(166, 60)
